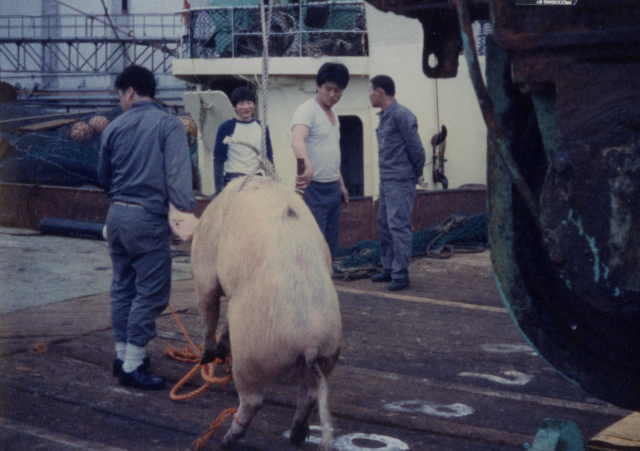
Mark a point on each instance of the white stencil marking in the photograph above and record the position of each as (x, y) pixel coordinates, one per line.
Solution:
(513, 377)
(431, 408)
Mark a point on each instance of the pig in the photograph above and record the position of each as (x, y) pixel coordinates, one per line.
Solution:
(258, 243)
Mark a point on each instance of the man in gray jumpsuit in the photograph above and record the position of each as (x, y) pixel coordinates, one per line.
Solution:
(144, 166)
(401, 160)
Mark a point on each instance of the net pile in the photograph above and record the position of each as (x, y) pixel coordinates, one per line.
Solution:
(53, 157)
(458, 233)
(49, 157)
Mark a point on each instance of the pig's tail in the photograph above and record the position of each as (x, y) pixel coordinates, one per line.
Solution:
(323, 408)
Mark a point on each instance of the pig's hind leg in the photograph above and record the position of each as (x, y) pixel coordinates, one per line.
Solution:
(208, 294)
(250, 403)
(307, 400)
(313, 390)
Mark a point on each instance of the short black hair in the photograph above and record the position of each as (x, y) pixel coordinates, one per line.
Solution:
(139, 78)
(241, 94)
(335, 72)
(385, 83)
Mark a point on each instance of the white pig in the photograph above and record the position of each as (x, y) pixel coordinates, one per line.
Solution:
(259, 245)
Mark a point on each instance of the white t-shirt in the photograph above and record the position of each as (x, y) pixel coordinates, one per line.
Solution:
(240, 158)
(323, 142)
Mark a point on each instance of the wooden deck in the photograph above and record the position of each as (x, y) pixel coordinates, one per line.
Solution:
(439, 366)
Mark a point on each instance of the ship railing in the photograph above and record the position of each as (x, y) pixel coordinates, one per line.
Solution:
(334, 28)
(157, 27)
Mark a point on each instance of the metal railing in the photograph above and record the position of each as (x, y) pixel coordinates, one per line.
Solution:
(335, 28)
(88, 43)
(166, 27)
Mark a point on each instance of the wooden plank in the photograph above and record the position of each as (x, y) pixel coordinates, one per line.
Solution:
(404, 297)
(621, 436)
(437, 367)
(92, 407)
(47, 125)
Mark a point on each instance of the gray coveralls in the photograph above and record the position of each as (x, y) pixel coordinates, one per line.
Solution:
(144, 165)
(401, 161)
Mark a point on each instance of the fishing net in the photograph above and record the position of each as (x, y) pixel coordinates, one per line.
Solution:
(50, 157)
(53, 157)
(461, 232)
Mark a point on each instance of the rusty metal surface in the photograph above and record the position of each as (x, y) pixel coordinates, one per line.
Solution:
(566, 97)
(597, 24)
(588, 22)
(571, 283)
(24, 206)
(591, 196)
(439, 21)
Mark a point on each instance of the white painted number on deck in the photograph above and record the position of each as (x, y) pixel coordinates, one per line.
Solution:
(345, 442)
(513, 377)
(508, 349)
(430, 408)
(315, 439)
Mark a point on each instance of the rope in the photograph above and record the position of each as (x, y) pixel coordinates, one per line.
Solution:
(437, 106)
(266, 30)
(192, 355)
(206, 436)
(359, 272)
(447, 250)
(115, 32)
(263, 161)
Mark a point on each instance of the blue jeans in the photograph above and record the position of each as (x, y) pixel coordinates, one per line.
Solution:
(140, 249)
(325, 202)
(394, 225)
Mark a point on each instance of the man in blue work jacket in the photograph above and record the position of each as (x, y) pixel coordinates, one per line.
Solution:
(144, 166)
(401, 159)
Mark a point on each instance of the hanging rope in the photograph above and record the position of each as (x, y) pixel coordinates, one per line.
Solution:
(437, 107)
(439, 145)
(194, 355)
(263, 161)
(265, 19)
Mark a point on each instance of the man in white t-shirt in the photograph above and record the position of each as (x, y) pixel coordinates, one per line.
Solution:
(316, 140)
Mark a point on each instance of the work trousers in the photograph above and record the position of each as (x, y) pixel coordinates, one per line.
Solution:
(325, 202)
(140, 249)
(394, 225)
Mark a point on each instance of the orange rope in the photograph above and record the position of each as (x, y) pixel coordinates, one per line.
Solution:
(174, 391)
(193, 356)
(186, 335)
(204, 438)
